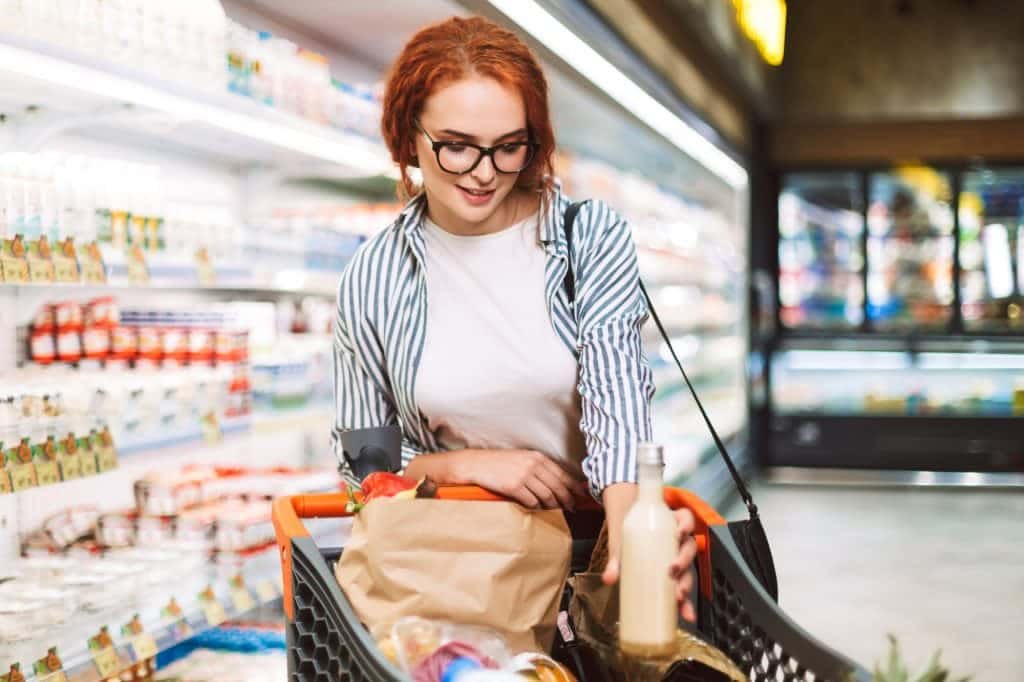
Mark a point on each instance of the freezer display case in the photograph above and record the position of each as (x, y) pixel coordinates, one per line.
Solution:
(921, 369)
(910, 249)
(991, 248)
(821, 254)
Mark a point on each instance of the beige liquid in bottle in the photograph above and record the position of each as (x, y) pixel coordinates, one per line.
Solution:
(648, 611)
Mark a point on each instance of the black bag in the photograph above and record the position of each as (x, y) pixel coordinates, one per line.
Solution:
(749, 535)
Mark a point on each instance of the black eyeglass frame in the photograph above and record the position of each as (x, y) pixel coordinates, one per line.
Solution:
(437, 146)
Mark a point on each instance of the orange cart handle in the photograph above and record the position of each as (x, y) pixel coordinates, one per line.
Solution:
(287, 514)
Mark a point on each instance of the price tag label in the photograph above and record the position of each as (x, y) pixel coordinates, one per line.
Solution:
(13, 264)
(93, 269)
(144, 647)
(87, 462)
(242, 600)
(204, 268)
(266, 591)
(23, 476)
(70, 467)
(47, 473)
(40, 265)
(210, 427)
(108, 663)
(58, 676)
(106, 459)
(214, 612)
(138, 271)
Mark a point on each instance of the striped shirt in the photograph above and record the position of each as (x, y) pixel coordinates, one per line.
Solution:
(382, 318)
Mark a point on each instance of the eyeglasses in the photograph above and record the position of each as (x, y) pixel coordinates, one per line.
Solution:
(459, 158)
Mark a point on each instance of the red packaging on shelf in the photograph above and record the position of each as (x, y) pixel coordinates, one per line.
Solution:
(150, 343)
(42, 347)
(96, 342)
(69, 345)
(174, 343)
(102, 312)
(201, 346)
(44, 321)
(124, 343)
(68, 315)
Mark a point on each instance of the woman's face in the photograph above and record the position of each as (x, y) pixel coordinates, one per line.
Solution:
(480, 111)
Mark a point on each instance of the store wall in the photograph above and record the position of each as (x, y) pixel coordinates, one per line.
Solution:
(887, 59)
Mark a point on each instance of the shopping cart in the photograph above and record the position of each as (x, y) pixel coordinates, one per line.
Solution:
(326, 641)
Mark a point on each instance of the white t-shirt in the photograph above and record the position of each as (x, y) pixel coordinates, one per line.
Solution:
(493, 373)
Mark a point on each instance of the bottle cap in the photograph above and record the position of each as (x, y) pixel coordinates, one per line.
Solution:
(650, 453)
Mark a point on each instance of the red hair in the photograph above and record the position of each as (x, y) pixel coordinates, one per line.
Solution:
(451, 50)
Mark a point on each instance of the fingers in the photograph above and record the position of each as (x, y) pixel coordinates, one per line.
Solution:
(525, 497)
(558, 488)
(688, 613)
(684, 586)
(684, 559)
(573, 485)
(544, 494)
(611, 572)
(685, 523)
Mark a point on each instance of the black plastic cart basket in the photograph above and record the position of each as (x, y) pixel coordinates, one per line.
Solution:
(327, 643)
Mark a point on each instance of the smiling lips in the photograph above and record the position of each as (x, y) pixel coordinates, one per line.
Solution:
(476, 197)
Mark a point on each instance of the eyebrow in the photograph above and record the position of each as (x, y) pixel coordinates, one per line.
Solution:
(467, 136)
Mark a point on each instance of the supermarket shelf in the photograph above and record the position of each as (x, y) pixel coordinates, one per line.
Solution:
(220, 124)
(79, 665)
(309, 416)
(170, 278)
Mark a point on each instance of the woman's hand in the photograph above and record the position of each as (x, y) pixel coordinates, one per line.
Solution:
(682, 568)
(530, 478)
(617, 500)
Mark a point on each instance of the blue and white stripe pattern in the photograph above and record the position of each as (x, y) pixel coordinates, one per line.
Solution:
(382, 318)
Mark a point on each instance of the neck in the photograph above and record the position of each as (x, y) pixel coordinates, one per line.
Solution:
(650, 479)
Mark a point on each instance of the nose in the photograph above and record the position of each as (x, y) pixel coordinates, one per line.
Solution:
(484, 171)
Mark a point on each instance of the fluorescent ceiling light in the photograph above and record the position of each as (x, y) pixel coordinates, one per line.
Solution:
(295, 135)
(536, 21)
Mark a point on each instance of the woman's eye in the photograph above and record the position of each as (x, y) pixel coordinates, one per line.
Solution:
(456, 148)
(511, 148)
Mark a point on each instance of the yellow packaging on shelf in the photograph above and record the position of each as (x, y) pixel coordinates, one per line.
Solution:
(40, 266)
(13, 264)
(65, 261)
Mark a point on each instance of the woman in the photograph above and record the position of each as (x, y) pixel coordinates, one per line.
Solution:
(455, 321)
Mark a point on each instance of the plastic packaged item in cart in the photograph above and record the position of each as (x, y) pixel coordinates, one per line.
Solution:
(424, 648)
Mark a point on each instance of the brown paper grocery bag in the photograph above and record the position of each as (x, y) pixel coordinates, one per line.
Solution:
(493, 564)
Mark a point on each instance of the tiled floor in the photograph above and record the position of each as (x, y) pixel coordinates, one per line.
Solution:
(938, 569)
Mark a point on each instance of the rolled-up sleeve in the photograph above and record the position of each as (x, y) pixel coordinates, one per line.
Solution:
(615, 381)
(362, 395)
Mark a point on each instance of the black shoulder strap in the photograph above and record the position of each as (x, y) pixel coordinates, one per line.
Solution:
(570, 286)
(570, 277)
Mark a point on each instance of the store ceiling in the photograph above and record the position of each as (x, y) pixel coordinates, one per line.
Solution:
(374, 31)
